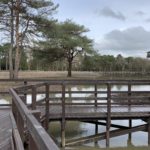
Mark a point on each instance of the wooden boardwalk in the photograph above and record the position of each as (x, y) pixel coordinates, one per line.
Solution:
(60, 103)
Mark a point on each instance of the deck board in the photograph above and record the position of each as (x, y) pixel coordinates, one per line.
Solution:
(100, 112)
(5, 129)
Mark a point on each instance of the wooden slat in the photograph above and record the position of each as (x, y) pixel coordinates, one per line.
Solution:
(101, 136)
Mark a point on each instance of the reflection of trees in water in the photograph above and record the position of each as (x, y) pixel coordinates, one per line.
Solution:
(118, 87)
(88, 87)
(5, 98)
(73, 129)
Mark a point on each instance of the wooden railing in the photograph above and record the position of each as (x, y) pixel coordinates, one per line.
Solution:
(17, 143)
(100, 93)
(28, 124)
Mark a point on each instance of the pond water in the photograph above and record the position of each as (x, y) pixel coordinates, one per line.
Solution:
(80, 129)
(4, 101)
(75, 129)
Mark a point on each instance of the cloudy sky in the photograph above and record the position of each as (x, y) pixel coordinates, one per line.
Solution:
(116, 26)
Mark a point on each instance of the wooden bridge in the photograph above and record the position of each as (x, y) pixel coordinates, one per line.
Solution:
(62, 101)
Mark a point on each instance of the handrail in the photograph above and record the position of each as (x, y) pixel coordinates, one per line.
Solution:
(17, 142)
(70, 81)
(39, 135)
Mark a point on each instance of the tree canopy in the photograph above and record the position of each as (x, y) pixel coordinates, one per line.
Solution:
(66, 40)
(20, 19)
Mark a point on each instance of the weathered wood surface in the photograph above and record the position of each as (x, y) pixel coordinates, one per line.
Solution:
(99, 112)
(38, 137)
(9, 135)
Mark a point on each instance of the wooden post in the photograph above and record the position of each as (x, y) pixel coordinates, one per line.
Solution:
(129, 93)
(96, 131)
(20, 126)
(33, 105)
(25, 94)
(32, 143)
(148, 129)
(108, 115)
(95, 95)
(14, 109)
(149, 134)
(129, 105)
(47, 107)
(63, 117)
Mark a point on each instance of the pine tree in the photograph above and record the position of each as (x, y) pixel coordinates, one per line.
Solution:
(20, 19)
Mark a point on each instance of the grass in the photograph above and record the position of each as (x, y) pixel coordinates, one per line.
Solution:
(75, 75)
(51, 74)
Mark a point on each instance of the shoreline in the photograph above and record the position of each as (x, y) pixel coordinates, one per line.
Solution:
(75, 75)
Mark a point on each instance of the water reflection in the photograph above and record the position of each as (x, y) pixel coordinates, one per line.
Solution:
(76, 129)
(4, 101)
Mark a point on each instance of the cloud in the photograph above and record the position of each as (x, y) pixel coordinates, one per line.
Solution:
(147, 20)
(135, 38)
(140, 13)
(108, 12)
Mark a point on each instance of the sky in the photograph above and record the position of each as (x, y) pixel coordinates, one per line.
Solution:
(116, 26)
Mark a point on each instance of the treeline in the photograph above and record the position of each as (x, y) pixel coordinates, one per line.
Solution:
(110, 63)
(83, 62)
(104, 63)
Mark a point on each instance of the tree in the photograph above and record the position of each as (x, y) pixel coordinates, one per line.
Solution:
(73, 41)
(68, 39)
(21, 18)
(4, 56)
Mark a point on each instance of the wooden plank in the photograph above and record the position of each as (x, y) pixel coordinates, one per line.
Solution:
(102, 136)
(63, 117)
(95, 95)
(43, 140)
(47, 108)
(39, 135)
(18, 144)
(33, 104)
(108, 115)
(17, 140)
(104, 124)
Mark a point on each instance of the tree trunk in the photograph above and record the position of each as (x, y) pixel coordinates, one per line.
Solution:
(17, 55)
(69, 68)
(11, 74)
